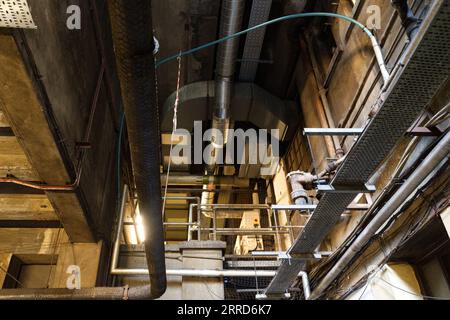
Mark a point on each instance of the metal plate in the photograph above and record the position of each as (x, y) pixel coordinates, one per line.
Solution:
(16, 14)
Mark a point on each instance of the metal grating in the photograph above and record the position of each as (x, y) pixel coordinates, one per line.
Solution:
(16, 14)
(254, 40)
(426, 67)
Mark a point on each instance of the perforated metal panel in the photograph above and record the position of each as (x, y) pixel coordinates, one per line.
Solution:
(15, 14)
(426, 67)
(254, 40)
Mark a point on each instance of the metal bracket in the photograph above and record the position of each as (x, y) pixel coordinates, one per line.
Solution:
(262, 296)
(300, 256)
(328, 188)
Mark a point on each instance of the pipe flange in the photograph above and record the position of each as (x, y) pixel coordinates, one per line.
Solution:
(301, 180)
(296, 194)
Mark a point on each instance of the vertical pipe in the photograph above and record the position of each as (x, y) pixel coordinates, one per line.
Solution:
(116, 248)
(230, 23)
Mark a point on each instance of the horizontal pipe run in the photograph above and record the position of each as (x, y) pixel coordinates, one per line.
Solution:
(189, 180)
(224, 206)
(241, 231)
(167, 223)
(141, 292)
(333, 131)
(414, 131)
(198, 190)
(203, 273)
(181, 198)
(98, 293)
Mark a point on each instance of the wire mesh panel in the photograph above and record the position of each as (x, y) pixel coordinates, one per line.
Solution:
(245, 288)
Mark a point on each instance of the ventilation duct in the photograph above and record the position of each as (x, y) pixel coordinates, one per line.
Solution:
(230, 23)
(250, 103)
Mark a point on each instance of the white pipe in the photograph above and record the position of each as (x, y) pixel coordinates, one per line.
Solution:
(205, 273)
(439, 152)
(115, 256)
(380, 59)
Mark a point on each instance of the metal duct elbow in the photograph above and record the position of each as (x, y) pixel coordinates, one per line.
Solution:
(131, 23)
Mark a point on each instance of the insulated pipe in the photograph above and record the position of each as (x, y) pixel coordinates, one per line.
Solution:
(230, 23)
(131, 23)
(99, 293)
(439, 153)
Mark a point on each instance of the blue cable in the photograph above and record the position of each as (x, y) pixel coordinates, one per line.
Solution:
(283, 18)
(231, 36)
(119, 151)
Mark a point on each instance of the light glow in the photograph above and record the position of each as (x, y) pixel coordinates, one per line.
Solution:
(139, 226)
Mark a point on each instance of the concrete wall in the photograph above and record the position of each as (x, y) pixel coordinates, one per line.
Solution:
(49, 247)
(392, 282)
(68, 63)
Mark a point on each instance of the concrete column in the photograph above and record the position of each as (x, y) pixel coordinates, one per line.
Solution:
(86, 256)
(203, 255)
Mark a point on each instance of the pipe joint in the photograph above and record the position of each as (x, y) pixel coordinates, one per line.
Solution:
(300, 182)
